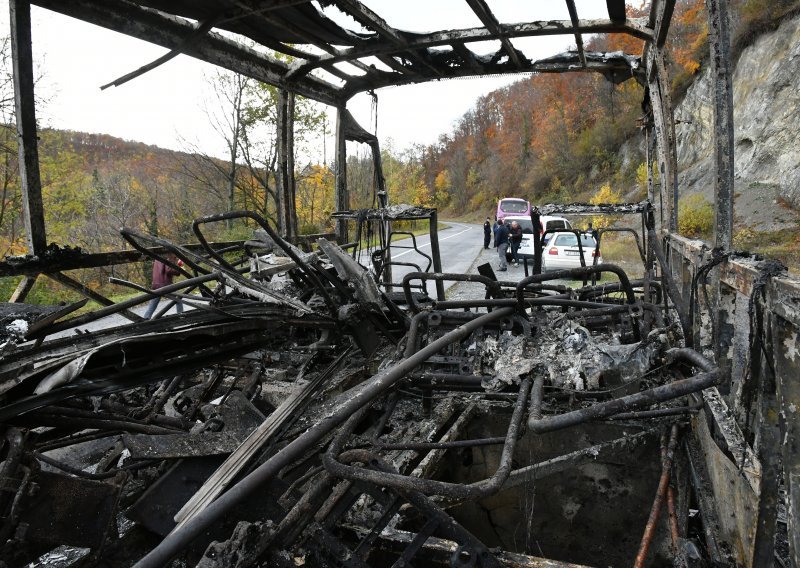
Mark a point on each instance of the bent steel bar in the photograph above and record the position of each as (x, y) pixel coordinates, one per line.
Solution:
(574, 273)
(449, 527)
(645, 398)
(124, 305)
(666, 274)
(377, 385)
(650, 528)
(476, 490)
(232, 277)
(492, 285)
(601, 232)
(305, 268)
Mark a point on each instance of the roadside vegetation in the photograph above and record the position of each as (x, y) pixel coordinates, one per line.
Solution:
(563, 138)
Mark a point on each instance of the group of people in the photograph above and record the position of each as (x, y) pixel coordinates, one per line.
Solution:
(505, 235)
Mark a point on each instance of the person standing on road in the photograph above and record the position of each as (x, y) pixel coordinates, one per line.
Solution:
(162, 276)
(590, 231)
(515, 236)
(501, 238)
(494, 231)
(487, 232)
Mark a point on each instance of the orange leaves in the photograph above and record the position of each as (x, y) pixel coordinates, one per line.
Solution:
(688, 38)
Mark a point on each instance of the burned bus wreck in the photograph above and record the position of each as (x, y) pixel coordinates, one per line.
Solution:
(330, 405)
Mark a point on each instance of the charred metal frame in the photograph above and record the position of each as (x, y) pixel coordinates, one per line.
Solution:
(746, 426)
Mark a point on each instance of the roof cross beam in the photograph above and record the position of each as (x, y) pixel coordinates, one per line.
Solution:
(468, 56)
(573, 16)
(634, 27)
(373, 21)
(489, 20)
(274, 18)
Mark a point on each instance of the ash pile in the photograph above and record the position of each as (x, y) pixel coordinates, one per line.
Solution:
(304, 413)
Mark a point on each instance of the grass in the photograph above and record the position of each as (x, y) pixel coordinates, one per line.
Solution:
(620, 249)
(782, 245)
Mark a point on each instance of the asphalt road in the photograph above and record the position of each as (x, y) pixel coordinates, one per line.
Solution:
(459, 246)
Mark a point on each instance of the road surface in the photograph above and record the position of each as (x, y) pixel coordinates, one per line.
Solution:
(459, 246)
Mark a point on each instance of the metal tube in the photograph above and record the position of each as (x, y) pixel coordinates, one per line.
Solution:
(413, 333)
(437, 256)
(445, 524)
(611, 407)
(180, 538)
(650, 527)
(438, 445)
(537, 241)
(582, 273)
(305, 268)
(120, 306)
(537, 393)
(492, 285)
(475, 490)
(672, 288)
(673, 522)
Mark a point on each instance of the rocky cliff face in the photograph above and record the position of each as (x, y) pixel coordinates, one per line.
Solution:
(766, 93)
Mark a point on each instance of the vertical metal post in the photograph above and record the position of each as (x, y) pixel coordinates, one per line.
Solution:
(342, 195)
(22, 56)
(437, 257)
(285, 126)
(292, 201)
(649, 144)
(719, 39)
(665, 138)
(537, 241)
(383, 202)
(719, 45)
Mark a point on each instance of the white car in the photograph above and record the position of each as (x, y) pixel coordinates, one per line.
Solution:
(562, 252)
(549, 223)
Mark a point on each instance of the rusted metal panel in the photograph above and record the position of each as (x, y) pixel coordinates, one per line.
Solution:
(786, 351)
(735, 495)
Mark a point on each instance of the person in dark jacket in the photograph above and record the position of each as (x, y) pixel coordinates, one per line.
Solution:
(515, 237)
(162, 276)
(501, 238)
(487, 233)
(494, 232)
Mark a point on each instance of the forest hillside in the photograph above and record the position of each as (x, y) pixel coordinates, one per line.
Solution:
(556, 138)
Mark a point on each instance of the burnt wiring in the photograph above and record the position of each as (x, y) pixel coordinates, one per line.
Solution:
(701, 276)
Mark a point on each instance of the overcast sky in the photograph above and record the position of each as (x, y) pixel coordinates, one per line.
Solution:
(165, 106)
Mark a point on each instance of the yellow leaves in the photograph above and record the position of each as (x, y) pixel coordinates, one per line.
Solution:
(314, 198)
(691, 66)
(604, 196)
(695, 216)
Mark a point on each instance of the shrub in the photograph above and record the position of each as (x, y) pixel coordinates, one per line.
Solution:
(695, 216)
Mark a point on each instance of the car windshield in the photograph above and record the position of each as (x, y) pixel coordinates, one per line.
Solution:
(570, 240)
(553, 225)
(514, 206)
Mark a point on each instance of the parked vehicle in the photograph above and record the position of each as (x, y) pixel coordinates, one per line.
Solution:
(562, 252)
(515, 206)
(549, 223)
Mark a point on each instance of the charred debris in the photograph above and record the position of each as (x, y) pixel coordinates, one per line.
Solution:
(311, 410)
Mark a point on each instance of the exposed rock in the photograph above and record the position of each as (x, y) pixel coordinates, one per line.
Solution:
(766, 98)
